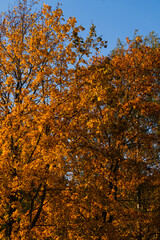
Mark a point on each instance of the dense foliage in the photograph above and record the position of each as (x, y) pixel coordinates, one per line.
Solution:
(79, 135)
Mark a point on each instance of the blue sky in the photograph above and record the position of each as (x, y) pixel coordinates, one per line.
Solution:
(113, 18)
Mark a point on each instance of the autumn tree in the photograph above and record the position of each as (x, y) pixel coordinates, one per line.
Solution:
(40, 58)
(116, 148)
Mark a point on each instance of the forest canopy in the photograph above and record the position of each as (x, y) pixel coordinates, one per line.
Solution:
(79, 132)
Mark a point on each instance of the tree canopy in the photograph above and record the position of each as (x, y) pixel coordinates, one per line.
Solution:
(79, 132)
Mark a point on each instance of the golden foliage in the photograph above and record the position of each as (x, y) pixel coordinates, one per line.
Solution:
(79, 138)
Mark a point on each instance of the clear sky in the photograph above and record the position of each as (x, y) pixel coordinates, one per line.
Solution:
(113, 18)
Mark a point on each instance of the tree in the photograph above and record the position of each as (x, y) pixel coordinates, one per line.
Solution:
(117, 144)
(41, 55)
